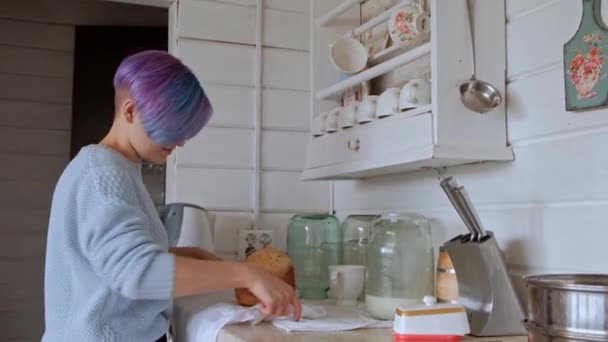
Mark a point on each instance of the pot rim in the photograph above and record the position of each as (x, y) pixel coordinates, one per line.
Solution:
(575, 281)
(531, 326)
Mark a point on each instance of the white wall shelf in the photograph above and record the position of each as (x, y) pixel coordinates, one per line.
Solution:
(388, 53)
(407, 160)
(445, 133)
(399, 143)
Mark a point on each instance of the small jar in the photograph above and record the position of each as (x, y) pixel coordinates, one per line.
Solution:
(446, 284)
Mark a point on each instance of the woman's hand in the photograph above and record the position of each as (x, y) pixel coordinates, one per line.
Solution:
(194, 253)
(275, 295)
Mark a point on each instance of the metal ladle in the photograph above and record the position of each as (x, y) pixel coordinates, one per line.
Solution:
(478, 96)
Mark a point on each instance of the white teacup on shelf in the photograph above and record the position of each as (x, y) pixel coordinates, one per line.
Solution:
(332, 123)
(415, 93)
(367, 109)
(348, 116)
(318, 125)
(388, 103)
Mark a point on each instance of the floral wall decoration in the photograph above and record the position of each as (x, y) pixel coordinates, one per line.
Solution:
(585, 67)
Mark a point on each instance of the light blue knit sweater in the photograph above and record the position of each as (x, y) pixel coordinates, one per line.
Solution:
(109, 275)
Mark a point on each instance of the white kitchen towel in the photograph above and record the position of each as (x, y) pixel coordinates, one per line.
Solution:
(205, 325)
(337, 318)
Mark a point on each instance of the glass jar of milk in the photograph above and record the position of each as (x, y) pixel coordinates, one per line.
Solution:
(399, 264)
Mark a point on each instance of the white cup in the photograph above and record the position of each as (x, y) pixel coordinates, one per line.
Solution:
(366, 111)
(348, 55)
(332, 122)
(348, 117)
(318, 123)
(415, 93)
(388, 103)
(346, 283)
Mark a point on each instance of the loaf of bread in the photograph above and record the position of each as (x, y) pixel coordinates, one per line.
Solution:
(273, 261)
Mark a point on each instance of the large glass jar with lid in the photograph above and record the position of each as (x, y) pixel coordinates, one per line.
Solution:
(313, 243)
(356, 230)
(399, 264)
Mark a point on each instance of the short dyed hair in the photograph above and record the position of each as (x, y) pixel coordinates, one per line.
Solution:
(170, 99)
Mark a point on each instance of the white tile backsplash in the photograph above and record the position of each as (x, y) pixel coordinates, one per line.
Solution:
(227, 226)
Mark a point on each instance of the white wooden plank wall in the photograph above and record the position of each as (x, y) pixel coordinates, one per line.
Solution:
(549, 207)
(216, 169)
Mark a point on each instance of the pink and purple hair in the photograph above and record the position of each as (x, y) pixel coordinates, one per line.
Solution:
(171, 101)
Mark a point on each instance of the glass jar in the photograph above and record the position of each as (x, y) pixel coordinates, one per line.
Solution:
(399, 264)
(313, 243)
(356, 231)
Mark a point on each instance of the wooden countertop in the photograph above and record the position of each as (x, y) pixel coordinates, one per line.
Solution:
(265, 332)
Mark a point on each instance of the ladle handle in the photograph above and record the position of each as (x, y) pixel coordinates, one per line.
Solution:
(422, 6)
(471, 36)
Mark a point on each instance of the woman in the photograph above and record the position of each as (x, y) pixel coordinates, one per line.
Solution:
(110, 275)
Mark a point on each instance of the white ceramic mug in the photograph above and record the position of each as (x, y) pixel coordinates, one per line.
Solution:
(415, 93)
(346, 283)
(367, 109)
(348, 55)
(332, 123)
(348, 117)
(318, 123)
(388, 103)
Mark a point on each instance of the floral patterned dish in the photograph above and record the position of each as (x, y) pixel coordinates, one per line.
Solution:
(408, 25)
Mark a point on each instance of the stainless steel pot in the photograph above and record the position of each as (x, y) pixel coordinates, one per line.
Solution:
(567, 307)
(538, 334)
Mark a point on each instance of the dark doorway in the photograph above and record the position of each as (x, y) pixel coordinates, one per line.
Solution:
(98, 50)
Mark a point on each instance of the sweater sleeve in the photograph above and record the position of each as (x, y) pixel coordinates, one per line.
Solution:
(115, 239)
